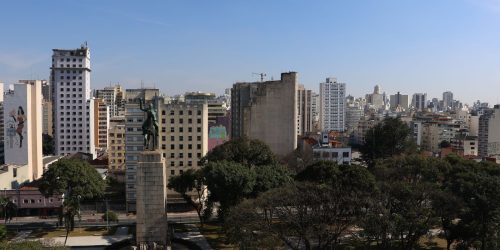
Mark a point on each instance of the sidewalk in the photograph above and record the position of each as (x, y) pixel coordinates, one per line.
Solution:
(194, 236)
(88, 241)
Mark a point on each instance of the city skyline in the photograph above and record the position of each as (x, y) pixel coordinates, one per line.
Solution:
(428, 47)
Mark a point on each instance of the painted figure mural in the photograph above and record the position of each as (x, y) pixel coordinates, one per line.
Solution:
(16, 126)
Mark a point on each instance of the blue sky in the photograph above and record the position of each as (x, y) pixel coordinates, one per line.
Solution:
(410, 46)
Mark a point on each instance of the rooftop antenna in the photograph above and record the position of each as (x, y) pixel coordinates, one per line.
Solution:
(262, 75)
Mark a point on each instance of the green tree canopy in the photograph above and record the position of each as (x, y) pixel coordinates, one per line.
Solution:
(388, 138)
(229, 183)
(77, 180)
(244, 151)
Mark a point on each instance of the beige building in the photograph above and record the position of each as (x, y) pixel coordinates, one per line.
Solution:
(304, 111)
(116, 146)
(267, 111)
(114, 98)
(47, 117)
(101, 123)
(184, 136)
(11, 176)
(23, 126)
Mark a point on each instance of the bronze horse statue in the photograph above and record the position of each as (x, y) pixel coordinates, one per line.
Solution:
(150, 125)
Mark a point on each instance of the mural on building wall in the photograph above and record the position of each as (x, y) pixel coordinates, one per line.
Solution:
(16, 128)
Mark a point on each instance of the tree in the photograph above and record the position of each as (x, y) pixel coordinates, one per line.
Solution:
(189, 181)
(229, 183)
(47, 144)
(312, 213)
(388, 138)
(244, 151)
(407, 186)
(76, 180)
(110, 216)
(3, 232)
(268, 177)
(9, 209)
(477, 186)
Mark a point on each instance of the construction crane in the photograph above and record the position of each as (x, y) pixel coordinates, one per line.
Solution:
(262, 75)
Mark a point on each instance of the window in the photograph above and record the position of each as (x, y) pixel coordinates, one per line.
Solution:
(345, 154)
(172, 172)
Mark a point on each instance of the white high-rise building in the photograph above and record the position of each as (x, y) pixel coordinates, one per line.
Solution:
(332, 105)
(73, 122)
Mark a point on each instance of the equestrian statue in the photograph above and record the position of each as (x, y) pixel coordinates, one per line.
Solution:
(150, 125)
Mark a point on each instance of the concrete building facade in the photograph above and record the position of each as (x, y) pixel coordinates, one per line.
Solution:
(419, 101)
(304, 111)
(332, 105)
(266, 111)
(23, 126)
(489, 133)
(70, 79)
(116, 145)
(399, 102)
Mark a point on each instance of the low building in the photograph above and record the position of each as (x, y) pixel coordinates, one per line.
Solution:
(338, 155)
(31, 202)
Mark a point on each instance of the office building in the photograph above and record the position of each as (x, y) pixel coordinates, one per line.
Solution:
(114, 98)
(376, 99)
(399, 102)
(304, 114)
(101, 123)
(266, 111)
(332, 105)
(47, 117)
(183, 137)
(419, 101)
(70, 79)
(489, 132)
(23, 126)
(116, 147)
(447, 100)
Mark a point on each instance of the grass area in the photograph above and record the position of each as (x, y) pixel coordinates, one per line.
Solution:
(435, 243)
(91, 231)
(215, 236)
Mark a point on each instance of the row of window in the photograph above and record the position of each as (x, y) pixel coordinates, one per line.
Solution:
(181, 138)
(69, 78)
(181, 121)
(69, 95)
(69, 101)
(181, 155)
(69, 89)
(69, 66)
(181, 112)
(181, 146)
(68, 59)
(69, 84)
(72, 149)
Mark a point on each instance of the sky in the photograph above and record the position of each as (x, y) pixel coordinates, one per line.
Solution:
(412, 46)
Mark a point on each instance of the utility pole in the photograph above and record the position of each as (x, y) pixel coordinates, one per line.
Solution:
(262, 75)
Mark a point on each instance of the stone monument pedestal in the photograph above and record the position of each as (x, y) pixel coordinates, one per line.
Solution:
(151, 199)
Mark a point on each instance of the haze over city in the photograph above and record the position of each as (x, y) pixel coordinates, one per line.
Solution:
(179, 46)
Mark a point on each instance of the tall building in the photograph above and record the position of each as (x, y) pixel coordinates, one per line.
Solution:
(315, 102)
(183, 137)
(113, 97)
(47, 117)
(46, 90)
(70, 79)
(489, 132)
(376, 99)
(23, 126)
(419, 101)
(304, 115)
(116, 147)
(2, 135)
(266, 111)
(101, 123)
(216, 107)
(399, 102)
(134, 140)
(332, 105)
(447, 100)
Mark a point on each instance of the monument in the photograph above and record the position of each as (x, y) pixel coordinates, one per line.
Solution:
(151, 228)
